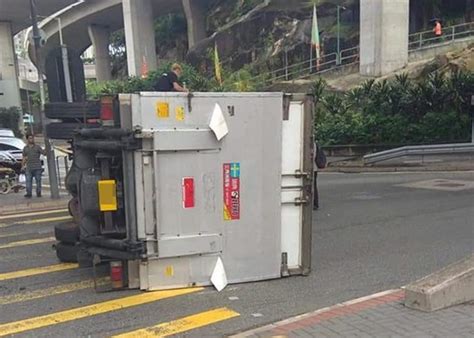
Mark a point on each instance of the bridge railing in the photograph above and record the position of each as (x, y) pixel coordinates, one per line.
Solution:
(310, 66)
(427, 39)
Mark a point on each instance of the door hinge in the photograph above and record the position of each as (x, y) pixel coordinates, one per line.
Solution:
(302, 174)
(298, 201)
(301, 201)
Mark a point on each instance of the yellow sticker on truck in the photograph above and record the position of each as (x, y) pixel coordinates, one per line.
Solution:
(180, 113)
(162, 110)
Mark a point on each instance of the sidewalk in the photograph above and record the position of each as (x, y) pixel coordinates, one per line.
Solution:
(16, 202)
(379, 315)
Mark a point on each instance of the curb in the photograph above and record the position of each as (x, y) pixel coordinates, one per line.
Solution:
(299, 322)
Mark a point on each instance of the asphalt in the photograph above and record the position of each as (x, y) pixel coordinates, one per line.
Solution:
(369, 235)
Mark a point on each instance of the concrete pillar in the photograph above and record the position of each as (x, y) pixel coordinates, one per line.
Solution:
(9, 86)
(139, 36)
(384, 33)
(194, 11)
(100, 37)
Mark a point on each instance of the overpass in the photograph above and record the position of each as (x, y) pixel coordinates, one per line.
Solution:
(87, 22)
(14, 17)
(383, 44)
(92, 22)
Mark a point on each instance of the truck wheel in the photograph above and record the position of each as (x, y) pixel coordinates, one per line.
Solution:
(67, 233)
(66, 253)
(5, 187)
(74, 110)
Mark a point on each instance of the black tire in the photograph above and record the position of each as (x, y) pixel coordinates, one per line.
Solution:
(65, 130)
(67, 233)
(74, 110)
(66, 253)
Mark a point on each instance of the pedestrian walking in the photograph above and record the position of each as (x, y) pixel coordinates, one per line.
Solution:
(320, 161)
(168, 82)
(32, 165)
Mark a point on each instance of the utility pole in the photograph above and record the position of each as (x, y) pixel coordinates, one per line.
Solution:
(338, 56)
(472, 118)
(53, 178)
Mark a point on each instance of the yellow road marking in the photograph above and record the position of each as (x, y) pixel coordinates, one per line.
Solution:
(37, 271)
(36, 221)
(182, 324)
(39, 213)
(14, 234)
(90, 310)
(55, 290)
(27, 242)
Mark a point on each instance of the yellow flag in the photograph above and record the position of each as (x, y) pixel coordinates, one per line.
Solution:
(217, 65)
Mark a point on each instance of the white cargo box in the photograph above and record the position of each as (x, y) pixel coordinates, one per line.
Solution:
(220, 176)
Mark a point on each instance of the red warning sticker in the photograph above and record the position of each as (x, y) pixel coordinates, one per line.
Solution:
(231, 191)
(188, 192)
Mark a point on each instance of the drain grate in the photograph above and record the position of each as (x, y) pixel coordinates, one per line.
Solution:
(440, 184)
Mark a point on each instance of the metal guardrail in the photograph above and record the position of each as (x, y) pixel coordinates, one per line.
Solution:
(441, 149)
(350, 56)
(426, 39)
(310, 67)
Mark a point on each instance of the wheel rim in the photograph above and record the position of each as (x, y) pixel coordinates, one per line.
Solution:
(5, 187)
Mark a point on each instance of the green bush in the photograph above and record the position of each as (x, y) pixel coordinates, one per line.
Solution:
(10, 118)
(240, 81)
(399, 111)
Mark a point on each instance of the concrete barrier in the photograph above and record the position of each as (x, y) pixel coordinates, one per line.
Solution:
(449, 286)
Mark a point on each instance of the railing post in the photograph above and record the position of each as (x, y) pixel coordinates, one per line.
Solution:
(59, 171)
(66, 164)
(453, 31)
(286, 64)
(421, 40)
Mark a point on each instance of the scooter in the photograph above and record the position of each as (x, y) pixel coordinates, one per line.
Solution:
(10, 171)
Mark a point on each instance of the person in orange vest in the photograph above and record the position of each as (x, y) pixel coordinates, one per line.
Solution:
(437, 30)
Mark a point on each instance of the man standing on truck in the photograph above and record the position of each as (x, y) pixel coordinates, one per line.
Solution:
(168, 82)
(32, 165)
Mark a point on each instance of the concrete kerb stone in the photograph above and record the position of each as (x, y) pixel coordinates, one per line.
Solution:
(449, 286)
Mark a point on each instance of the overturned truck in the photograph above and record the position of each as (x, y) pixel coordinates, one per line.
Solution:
(175, 190)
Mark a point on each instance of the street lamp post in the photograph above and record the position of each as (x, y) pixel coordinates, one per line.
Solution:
(338, 56)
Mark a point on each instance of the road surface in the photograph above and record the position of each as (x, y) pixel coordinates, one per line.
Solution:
(371, 234)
